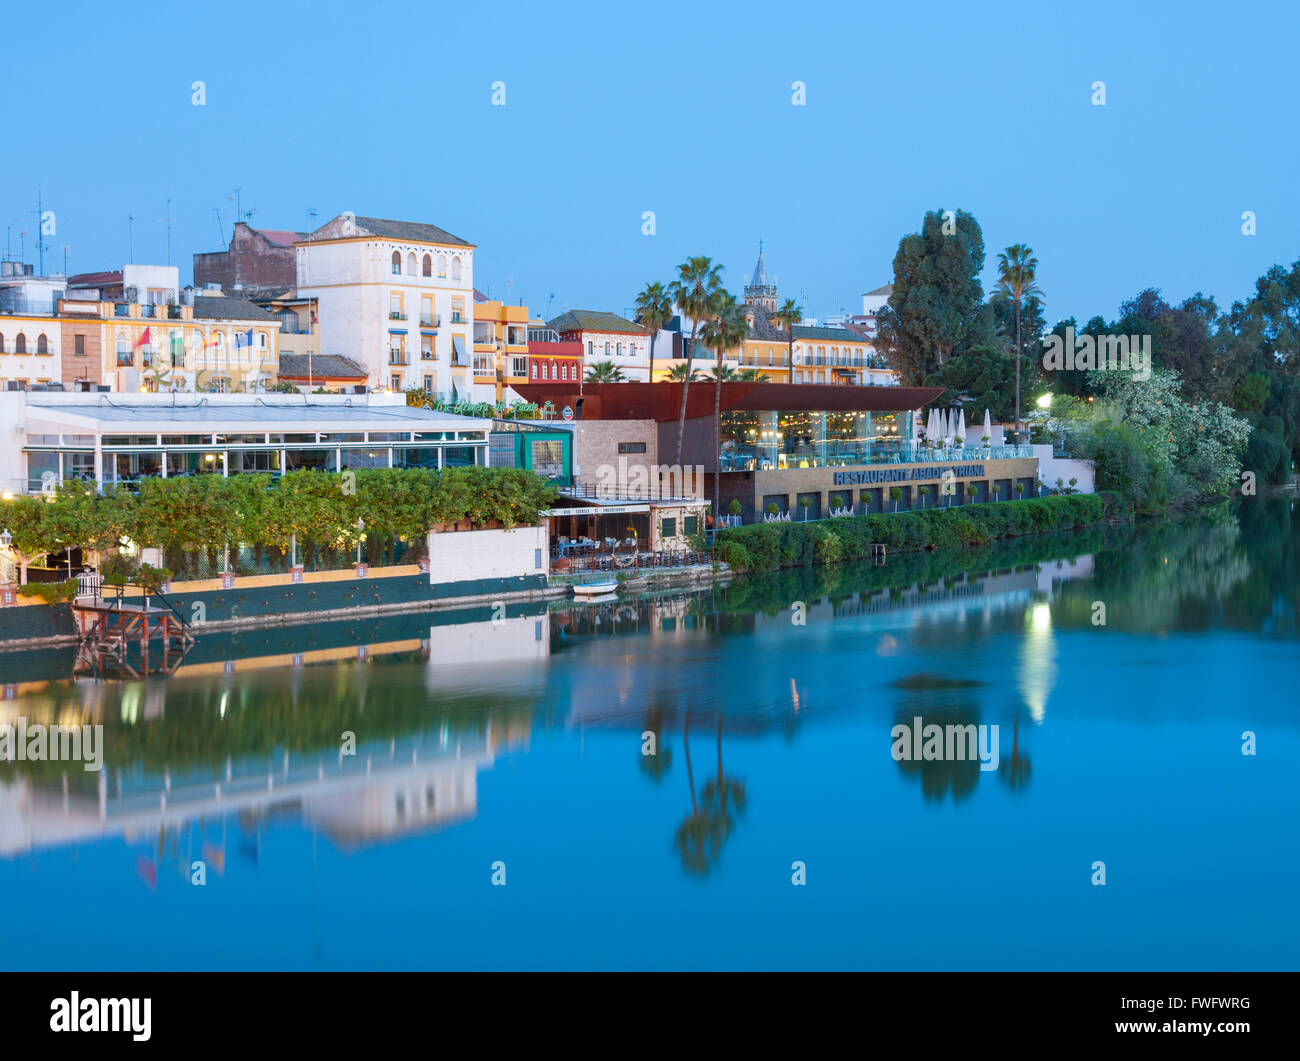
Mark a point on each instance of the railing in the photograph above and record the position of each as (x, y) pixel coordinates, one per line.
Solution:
(394, 315)
(752, 458)
(33, 307)
(596, 559)
(431, 322)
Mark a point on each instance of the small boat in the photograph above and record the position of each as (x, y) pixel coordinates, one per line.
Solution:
(595, 589)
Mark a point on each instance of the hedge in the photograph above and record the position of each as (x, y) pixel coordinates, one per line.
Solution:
(767, 546)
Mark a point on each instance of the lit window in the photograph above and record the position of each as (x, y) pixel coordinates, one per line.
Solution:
(397, 263)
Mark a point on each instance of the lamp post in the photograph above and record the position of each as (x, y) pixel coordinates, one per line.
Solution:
(6, 539)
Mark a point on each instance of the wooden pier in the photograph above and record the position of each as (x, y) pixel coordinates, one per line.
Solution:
(124, 640)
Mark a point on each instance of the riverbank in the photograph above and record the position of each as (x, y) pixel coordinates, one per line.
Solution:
(772, 546)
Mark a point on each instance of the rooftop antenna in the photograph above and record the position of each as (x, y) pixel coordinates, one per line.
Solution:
(130, 236)
(66, 251)
(221, 232)
(311, 218)
(40, 232)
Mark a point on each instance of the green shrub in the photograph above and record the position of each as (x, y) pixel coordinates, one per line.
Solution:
(51, 592)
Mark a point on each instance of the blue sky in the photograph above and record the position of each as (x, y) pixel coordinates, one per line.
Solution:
(611, 110)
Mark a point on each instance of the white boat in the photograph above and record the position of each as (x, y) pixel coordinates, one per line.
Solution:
(595, 589)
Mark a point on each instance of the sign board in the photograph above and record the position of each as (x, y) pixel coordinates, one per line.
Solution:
(902, 475)
(567, 412)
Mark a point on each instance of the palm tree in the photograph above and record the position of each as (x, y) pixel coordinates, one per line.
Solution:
(605, 372)
(723, 332)
(693, 292)
(1017, 269)
(789, 315)
(678, 373)
(654, 308)
(717, 793)
(752, 375)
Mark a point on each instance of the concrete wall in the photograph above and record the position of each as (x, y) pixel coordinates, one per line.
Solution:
(595, 444)
(461, 557)
(1064, 468)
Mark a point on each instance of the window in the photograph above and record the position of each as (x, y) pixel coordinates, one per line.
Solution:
(455, 270)
(259, 340)
(691, 525)
(20, 344)
(426, 348)
(519, 366)
(397, 349)
(591, 348)
(397, 383)
(428, 384)
(631, 447)
(546, 371)
(395, 306)
(607, 349)
(410, 265)
(2, 342)
(397, 263)
(427, 266)
(123, 350)
(537, 559)
(42, 344)
(537, 370)
(288, 322)
(548, 458)
(426, 308)
(79, 344)
(618, 349)
(668, 528)
(457, 311)
(442, 265)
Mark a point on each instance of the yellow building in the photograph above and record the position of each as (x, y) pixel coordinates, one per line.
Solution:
(500, 344)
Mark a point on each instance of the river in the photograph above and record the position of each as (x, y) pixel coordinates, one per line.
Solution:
(473, 790)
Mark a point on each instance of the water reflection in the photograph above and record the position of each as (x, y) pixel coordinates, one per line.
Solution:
(249, 728)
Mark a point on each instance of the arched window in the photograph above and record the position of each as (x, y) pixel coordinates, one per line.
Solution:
(607, 349)
(259, 340)
(537, 370)
(20, 344)
(619, 349)
(42, 344)
(397, 263)
(428, 265)
(2, 342)
(410, 264)
(455, 270)
(591, 348)
(442, 265)
(123, 349)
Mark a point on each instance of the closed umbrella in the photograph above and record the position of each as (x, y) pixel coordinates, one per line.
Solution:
(988, 425)
(961, 425)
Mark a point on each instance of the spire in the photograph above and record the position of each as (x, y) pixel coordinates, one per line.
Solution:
(761, 290)
(760, 270)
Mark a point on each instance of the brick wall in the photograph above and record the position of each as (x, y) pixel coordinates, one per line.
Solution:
(78, 367)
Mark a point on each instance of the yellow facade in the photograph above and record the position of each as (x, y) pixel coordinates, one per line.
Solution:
(768, 357)
(500, 345)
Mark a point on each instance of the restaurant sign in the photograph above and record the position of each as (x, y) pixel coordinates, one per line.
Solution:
(903, 475)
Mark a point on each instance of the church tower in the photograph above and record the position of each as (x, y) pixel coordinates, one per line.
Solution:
(760, 291)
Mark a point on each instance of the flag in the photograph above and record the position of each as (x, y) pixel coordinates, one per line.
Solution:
(144, 338)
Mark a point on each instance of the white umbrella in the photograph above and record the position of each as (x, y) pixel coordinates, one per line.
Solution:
(947, 426)
(961, 425)
(988, 426)
(930, 425)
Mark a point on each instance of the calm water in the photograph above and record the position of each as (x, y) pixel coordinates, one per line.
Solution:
(520, 743)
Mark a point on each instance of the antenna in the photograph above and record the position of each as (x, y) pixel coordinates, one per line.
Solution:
(221, 232)
(311, 218)
(168, 220)
(40, 232)
(66, 251)
(130, 236)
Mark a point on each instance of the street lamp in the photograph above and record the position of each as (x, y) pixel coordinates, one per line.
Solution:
(361, 526)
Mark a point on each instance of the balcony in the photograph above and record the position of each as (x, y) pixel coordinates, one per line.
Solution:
(397, 357)
(753, 456)
(396, 315)
(431, 322)
(457, 318)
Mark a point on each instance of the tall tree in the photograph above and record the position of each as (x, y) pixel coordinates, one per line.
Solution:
(654, 308)
(789, 315)
(937, 300)
(697, 284)
(1017, 269)
(723, 331)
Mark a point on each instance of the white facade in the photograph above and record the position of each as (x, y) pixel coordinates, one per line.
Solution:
(631, 353)
(155, 285)
(401, 308)
(473, 556)
(29, 350)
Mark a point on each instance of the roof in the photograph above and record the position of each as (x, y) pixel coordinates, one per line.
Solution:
(762, 327)
(760, 271)
(209, 308)
(833, 335)
(247, 413)
(412, 230)
(887, 290)
(112, 276)
(281, 237)
(588, 320)
(662, 401)
(319, 366)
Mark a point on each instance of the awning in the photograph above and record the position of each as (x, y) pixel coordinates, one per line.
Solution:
(396, 331)
(458, 345)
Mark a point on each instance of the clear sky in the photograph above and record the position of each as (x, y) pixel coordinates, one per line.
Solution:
(684, 109)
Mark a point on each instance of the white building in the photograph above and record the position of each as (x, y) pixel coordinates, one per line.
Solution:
(29, 332)
(609, 337)
(872, 303)
(397, 297)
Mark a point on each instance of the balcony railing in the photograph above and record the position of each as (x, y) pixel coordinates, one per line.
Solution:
(751, 457)
(396, 315)
(431, 322)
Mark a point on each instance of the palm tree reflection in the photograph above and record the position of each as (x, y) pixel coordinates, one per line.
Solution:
(704, 831)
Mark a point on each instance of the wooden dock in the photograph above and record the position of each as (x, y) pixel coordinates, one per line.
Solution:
(124, 640)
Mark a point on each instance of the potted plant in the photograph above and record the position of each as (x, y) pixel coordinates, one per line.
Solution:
(984, 441)
(895, 495)
(1074, 482)
(924, 491)
(997, 489)
(1020, 489)
(772, 509)
(805, 503)
(733, 507)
